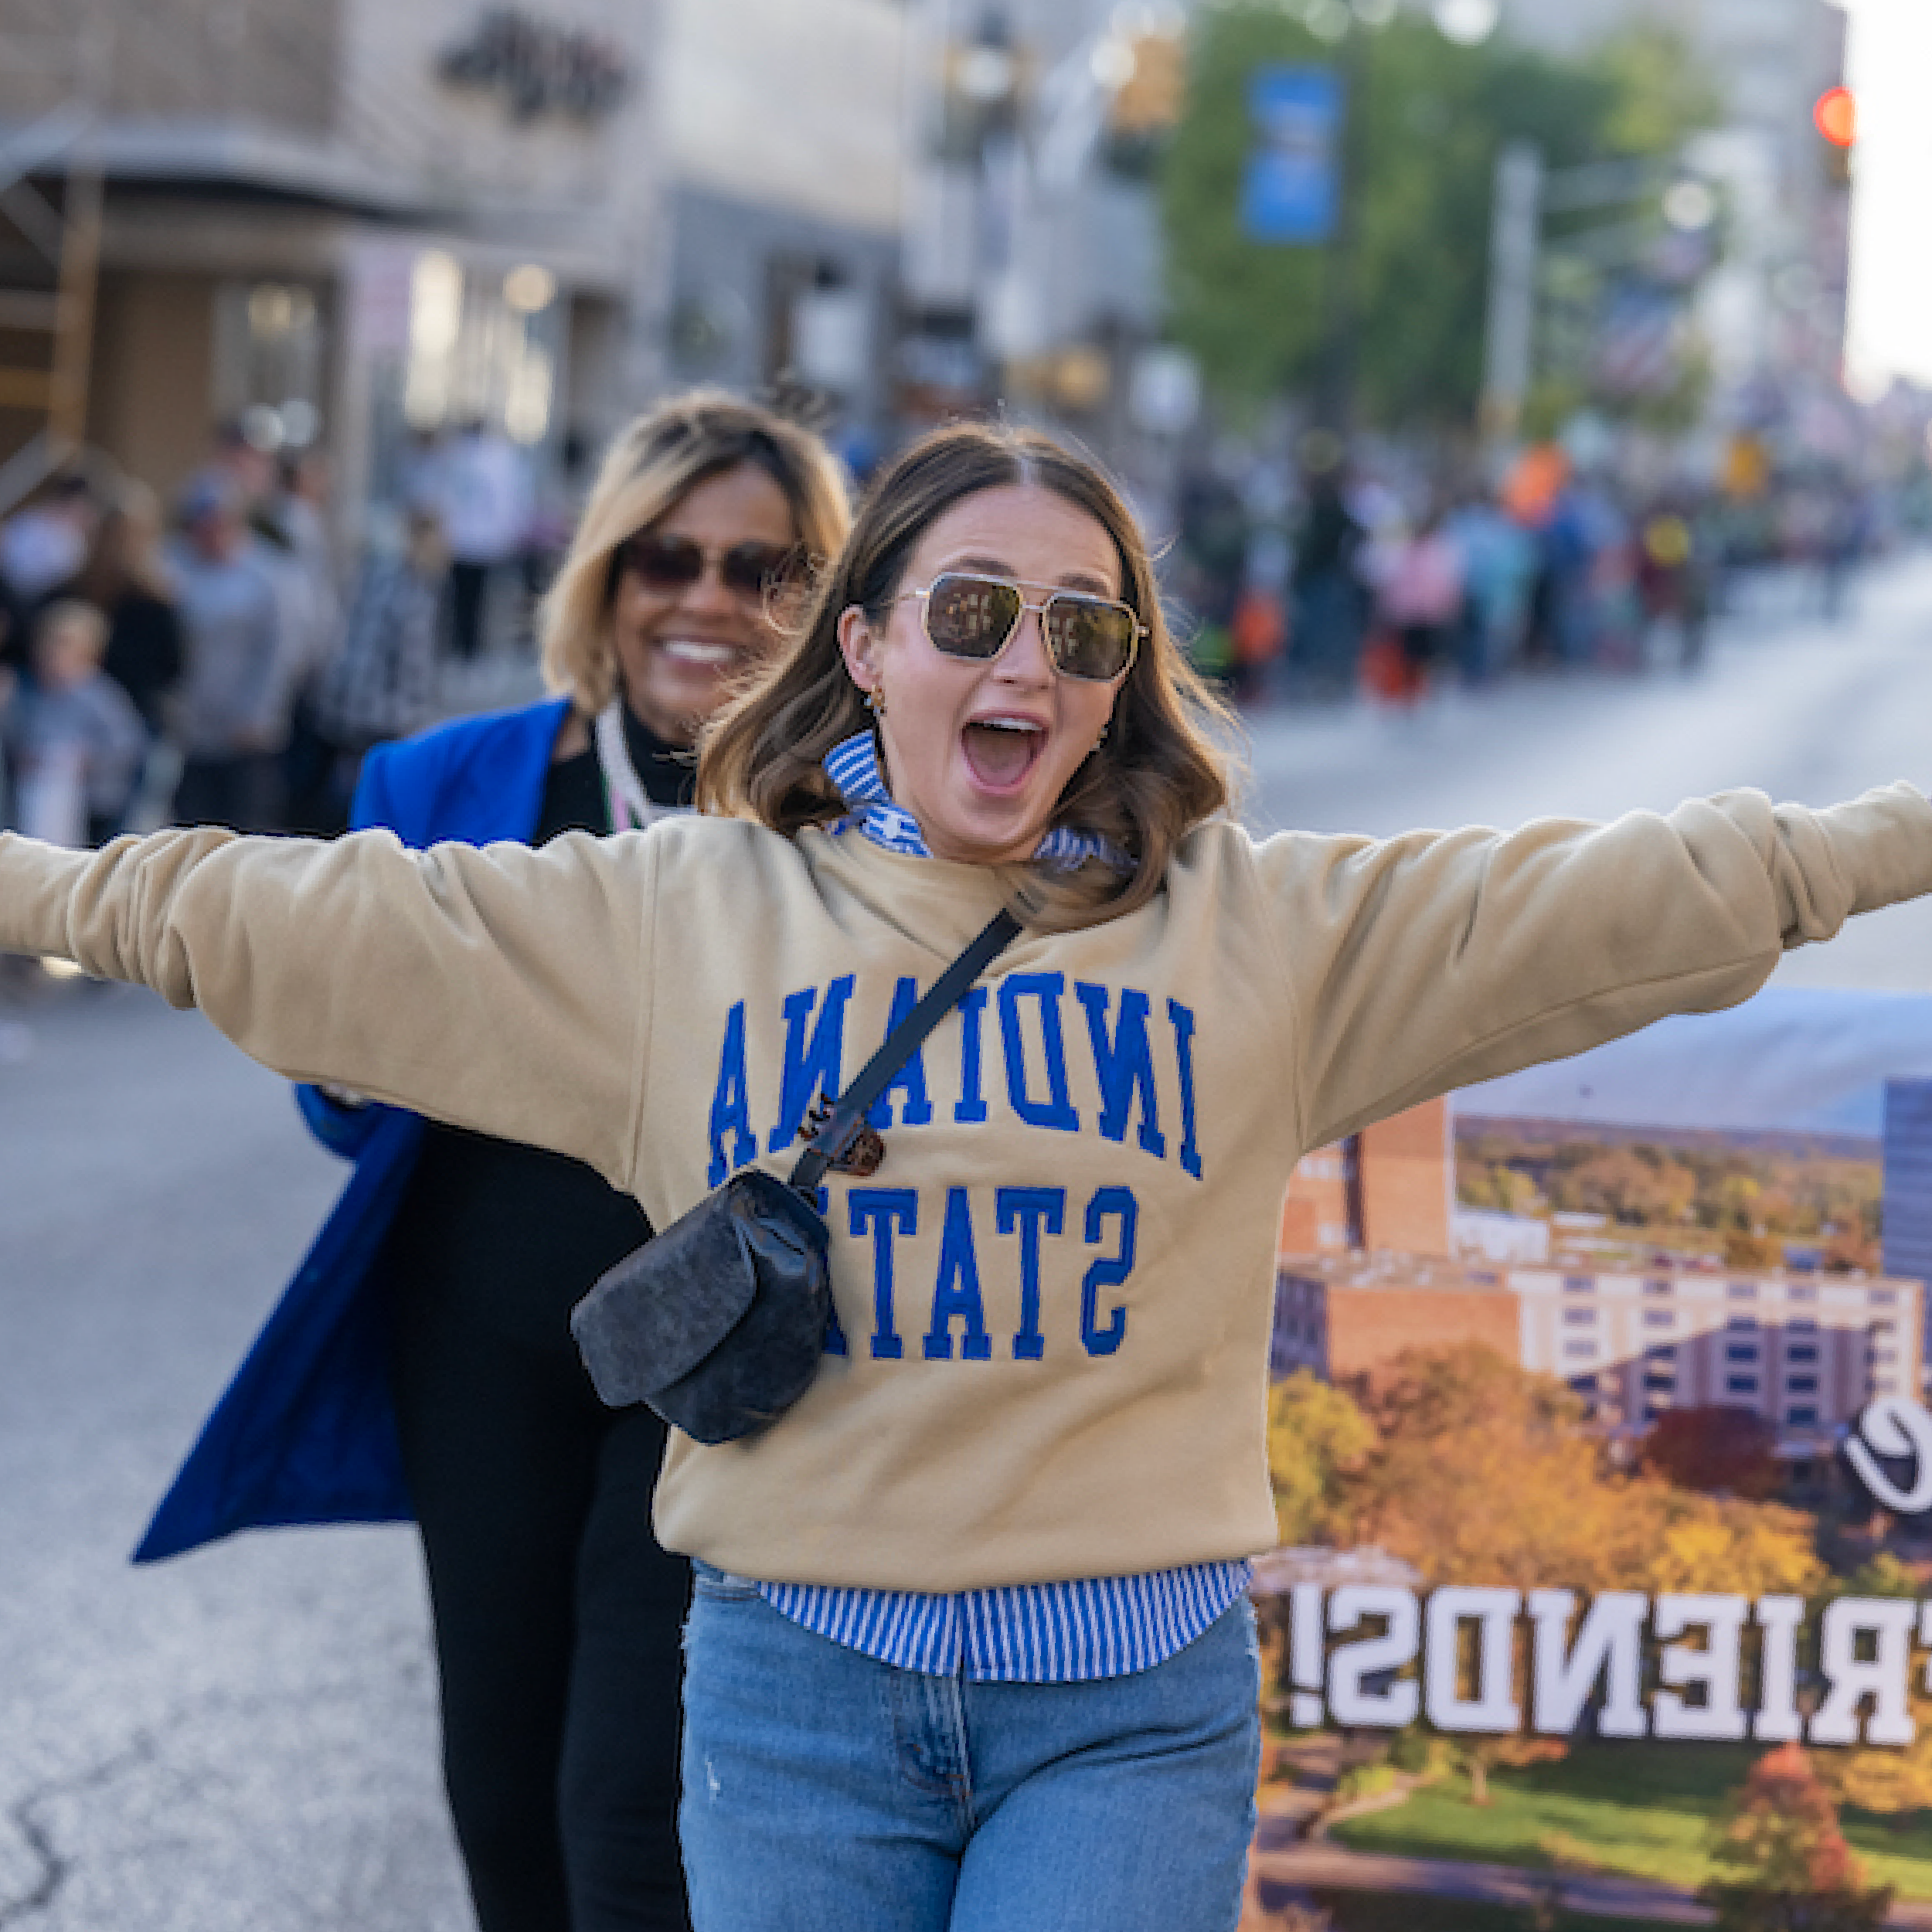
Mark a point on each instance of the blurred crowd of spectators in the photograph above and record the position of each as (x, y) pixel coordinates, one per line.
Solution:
(208, 661)
(1346, 581)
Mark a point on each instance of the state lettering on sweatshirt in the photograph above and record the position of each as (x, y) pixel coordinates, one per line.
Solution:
(883, 1212)
(1116, 1205)
(1123, 1064)
(1027, 1211)
(1039, 994)
(975, 1265)
(956, 1294)
(731, 1104)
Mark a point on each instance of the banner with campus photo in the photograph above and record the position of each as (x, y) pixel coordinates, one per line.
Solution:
(1604, 1487)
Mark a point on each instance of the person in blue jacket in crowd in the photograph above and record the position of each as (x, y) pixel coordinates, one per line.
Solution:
(421, 1363)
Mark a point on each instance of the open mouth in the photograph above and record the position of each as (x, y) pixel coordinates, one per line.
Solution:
(1002, 751)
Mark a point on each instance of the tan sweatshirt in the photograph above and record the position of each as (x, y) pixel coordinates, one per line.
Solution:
(1053, 1298)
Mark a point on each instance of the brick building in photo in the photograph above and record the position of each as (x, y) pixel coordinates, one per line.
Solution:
(1374, 1259)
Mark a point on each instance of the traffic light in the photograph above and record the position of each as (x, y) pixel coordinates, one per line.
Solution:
(1836, 116)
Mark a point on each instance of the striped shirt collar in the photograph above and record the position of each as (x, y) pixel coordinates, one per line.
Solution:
(853, 766)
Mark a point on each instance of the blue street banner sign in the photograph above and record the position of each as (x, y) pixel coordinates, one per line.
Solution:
(1289, 191)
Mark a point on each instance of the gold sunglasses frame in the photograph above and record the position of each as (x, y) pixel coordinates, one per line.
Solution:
(1055, 592)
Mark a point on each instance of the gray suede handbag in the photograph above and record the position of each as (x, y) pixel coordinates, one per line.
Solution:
(718, 1323)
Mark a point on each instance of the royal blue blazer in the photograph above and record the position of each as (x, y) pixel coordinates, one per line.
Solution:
(306, 1431)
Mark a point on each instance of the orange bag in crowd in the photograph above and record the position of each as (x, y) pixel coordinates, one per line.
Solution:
(1261, 627)
(1387, 672)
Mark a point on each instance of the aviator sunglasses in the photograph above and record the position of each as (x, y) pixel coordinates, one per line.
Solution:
(660, 561)
(1091, 639)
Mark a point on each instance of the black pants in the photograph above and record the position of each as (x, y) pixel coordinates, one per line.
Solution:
(243, 792)
(558, 1623)
(469, 587)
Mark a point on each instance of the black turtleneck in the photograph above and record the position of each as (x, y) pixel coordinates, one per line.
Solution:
(573, 798)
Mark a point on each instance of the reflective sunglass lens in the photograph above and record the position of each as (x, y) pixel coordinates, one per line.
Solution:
(752, 569)
(970, 617)
(749, 570)
(664, 563)
(1088, 638)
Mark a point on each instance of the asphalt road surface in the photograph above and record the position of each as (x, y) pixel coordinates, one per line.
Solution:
(245, 1738)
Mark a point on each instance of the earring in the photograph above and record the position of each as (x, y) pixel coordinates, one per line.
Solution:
(874, 703)
(1102, 739)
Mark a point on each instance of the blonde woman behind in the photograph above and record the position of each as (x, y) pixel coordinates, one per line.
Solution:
(421, 1363)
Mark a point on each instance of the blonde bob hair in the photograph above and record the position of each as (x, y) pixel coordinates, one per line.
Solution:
(1156, 776)
(655, 462)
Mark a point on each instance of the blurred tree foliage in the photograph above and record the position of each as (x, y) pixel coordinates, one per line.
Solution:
(1433, 115)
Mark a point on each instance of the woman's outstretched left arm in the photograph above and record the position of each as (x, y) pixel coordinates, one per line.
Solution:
(500, 988)
(1425, 962)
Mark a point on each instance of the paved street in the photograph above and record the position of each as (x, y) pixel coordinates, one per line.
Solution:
(245, 1738)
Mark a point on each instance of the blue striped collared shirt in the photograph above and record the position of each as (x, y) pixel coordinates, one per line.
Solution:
(1063, 1633)
(852, 765)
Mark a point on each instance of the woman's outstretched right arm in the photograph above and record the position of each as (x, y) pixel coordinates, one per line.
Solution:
(498, 988)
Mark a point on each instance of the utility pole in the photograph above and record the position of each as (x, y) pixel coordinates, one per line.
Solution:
(1525, 192)
(1340, 305)
(1508, 339)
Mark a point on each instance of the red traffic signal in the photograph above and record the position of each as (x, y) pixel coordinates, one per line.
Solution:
(1837, 116)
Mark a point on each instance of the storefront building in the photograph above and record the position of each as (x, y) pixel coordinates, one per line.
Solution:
(784, 134)
(342, 224)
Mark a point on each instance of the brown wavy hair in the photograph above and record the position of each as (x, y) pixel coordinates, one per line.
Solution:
(656, 461)
(1158, 774)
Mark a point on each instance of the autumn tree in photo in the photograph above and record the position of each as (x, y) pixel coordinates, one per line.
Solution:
(1481, 1472)
(1782, 1864)
(1317, 1436)
(1485, 1473)
(1722, 1544)
(1718, 1450)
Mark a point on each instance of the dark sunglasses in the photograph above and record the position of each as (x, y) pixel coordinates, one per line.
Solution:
(660, 561)
(1088, 638)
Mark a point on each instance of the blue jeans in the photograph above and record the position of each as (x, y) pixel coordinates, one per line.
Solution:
(824, 1791)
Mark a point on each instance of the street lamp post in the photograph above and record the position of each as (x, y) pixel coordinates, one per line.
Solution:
(1515, 219)
(1525, 192)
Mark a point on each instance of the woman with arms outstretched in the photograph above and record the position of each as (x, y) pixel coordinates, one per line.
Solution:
(970, 1647)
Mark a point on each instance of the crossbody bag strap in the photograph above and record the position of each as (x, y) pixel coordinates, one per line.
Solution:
(842, 1126)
